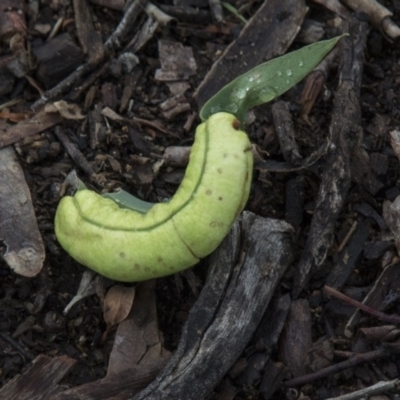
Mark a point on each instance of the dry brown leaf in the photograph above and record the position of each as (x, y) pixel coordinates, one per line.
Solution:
(66, 110)
(117, 305)
(138, 340)
(14, 117)
(42, 120)
(18, 230)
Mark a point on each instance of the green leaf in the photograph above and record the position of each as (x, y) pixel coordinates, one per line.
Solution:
(121, 197)
(126, 200)
(267, 81)
(234, 11)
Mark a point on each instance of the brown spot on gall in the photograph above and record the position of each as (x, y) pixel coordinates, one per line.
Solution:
(147, 269)
(219, 198)
(208, 192)
(122, 254)
(236, 124)
(137, 266)
(219, 170)
(216, 224)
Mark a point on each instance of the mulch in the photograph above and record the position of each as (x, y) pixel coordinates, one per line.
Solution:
(300, 300)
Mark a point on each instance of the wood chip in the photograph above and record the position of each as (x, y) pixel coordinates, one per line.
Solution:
(19, 231)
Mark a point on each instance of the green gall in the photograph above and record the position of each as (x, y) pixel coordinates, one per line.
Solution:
(129, 246)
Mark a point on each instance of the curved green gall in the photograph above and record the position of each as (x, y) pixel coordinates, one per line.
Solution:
(130, 246)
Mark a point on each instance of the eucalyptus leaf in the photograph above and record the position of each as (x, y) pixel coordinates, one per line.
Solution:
(267, 81)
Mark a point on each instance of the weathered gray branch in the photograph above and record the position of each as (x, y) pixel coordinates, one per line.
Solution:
(243, 275)
(346, 133)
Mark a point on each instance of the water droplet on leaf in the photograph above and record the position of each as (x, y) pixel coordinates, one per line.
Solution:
(241, 94)
(288, 72)
(301, 63)
(232, 108)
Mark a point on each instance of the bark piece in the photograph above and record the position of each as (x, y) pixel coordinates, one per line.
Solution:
(109, 95)
(311, 31)
(130, 82)
(57, 58)
(18, 228)
(320, 355)
(274, 373)
(177, 156)
(296, 340)
(12, 19)
(97, 130)
(120, 34)
(147, 31)
(177, 62)
(346, 132)
(230, 307)
(40, 381)
(271, 325)
(285, 131)
(362, 171)
(216, 10)
(89, 38)
(116, 387)
(274, 19)
(158, 15)
(348, 257)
